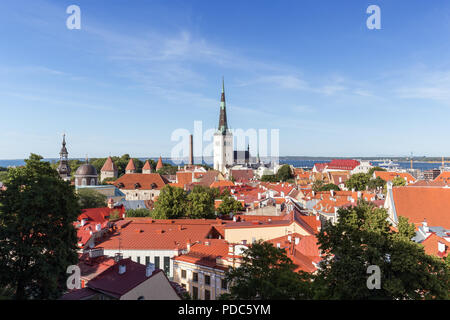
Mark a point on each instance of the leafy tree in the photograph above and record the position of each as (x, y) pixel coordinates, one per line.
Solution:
(358, 182)
(398, 182)
(229, 205)
(373, 169)
(141, 212)
(328, 187)
(376, 183)
(106, 180)
(269, 178)
(37, 236)
(363, 237)
(266, 273)
(201, 205)
(284, 173)
(171, 203)
(317, 185)
(90, 198)
(3, 176)
(168, 169)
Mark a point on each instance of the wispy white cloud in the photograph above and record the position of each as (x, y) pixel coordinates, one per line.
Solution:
(432, 85)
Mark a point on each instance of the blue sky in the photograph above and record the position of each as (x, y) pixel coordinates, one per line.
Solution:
(138, 70)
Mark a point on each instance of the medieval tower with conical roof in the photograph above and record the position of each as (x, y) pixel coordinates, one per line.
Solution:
(223, 139)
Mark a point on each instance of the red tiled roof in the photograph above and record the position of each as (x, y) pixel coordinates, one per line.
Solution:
(130, 165)
(320, 166)
(143, 234)
(221, 183)
(206, 252)
(146, 166)
(389, 176)
(115, 284)
(159, 165)
(242, 175)
(303, 254)
(109, 165)
(343, 164)
(431, 245)
(184, 178)
(419, 203)
(128, 181)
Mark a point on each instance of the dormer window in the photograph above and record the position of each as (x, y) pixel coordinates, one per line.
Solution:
(153, 186)
(137, 185)
(121, 185)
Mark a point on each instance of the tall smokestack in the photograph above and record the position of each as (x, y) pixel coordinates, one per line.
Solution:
(191, 150)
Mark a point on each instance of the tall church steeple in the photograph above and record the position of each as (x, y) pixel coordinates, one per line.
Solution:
(223, 139)
(63, 167)
(223, 125)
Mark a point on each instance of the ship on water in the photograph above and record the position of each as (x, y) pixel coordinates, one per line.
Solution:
(389, 165)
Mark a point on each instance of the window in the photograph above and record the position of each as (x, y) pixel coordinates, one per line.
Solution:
(167, 265)
(183, 274)
(195, 276)
(194, 293)
(156, 262)
(223, 284)
(147, 260)
(138, 259)
(207, 295)
(183, 285)
(207, 280)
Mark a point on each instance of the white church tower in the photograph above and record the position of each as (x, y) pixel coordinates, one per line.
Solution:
(223, 139)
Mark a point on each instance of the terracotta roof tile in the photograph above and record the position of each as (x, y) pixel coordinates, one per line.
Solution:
(419, 203)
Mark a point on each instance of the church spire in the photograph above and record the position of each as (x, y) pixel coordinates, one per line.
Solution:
(63, 153)
(63, 167)
(223, 125)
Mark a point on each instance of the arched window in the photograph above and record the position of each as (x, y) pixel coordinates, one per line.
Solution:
(92, 182)
(83, 182)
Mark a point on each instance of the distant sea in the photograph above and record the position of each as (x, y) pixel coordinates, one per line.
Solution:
(296, 163)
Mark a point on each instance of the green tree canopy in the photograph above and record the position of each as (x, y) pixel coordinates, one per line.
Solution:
(229, 205)
(328, 187)
(266, 273)
(269, 178)
(284, 173)
(317, 184)
(171, 203)
(358, 181)
(37, 236)
(200, 205)
(398, 182)
(141, 212)
(373, 169)
(363, 237)
(376, 183)
(168, 169)
(90, 198)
